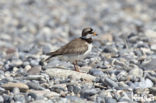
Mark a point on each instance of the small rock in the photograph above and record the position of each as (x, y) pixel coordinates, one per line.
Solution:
(59, 88)
(1, 99)
(145, 83)
(7, 98)
(136, 71)
(27, 67)
(2, 90)
(153, 46)
(16, 90)
(74, 99)
(34, 70)
(19, 98)
(110, 100)
(32, 95)
(34, 63)
(96, 72)
(16, 62)
(125, 98)
(23, 87)
(66, 73)
(41, 93)
(10, 51)
(73, 88)
(35, 86)
(150, 34)
(153, 90)
(34, 77)
(151, 65)
(88, 92)
(122, 76)
(109, 49)
(110, 83)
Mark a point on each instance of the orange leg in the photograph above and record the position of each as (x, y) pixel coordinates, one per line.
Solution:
(76, 66)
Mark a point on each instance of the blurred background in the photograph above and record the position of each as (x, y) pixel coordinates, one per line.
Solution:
(27, 21)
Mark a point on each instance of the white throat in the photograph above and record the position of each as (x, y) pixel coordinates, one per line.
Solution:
(89, 49)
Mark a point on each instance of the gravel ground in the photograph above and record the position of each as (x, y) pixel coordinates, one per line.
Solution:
(120, 69)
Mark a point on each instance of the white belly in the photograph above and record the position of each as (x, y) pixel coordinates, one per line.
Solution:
(72, 57)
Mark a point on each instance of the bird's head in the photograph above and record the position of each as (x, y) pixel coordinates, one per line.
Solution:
(87, 31)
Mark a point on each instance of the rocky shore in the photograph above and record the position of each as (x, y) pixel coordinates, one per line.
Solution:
(120, 69)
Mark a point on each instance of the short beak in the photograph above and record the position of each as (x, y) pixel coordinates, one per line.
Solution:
(94, 33)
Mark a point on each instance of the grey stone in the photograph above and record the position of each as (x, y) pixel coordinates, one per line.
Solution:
(36, 86)
(34, 63)
(153, 90)
(2, 89)
(151, 65)
(96, 72)
(1, 99)
(16, 90)
(57, 89)
(111, 83)
(33, 95)
(9, 86)
(7, 98)
(122, 76)
(144, 83)
(60, 73)
(34, 70)
(19, 98)
(110, 100)
(16, 62)
(88, 92)
(34, 77)
(73, 88)
(74, 99)
(136, 71)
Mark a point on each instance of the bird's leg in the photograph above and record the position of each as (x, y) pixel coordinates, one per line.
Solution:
(76, 66)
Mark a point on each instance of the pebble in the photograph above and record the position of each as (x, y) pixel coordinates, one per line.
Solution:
(1, 99)
(66, 73)
(96, 72)
(144, 83)
(19, 98)
(136, 71)
(151, 65)
(88, 92)
(58, 88)
(122, 60)
(153, 90)
(7, 98)
(40, 93)
(9, 86)
(125, 98)
(110, 83)
(73, 88)
(36, 86)
(74, 99)
(16, 90)
(122, 76)
(34, 77)
(2, 89)
(16, 62)
(34, 63)
(110, 100)
(34, 70)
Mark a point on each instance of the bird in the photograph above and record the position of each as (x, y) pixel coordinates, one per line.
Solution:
(76, 49)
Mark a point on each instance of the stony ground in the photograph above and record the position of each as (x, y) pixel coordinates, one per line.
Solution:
(121, 67)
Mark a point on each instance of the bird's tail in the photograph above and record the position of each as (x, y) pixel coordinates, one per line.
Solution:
(51, 54)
